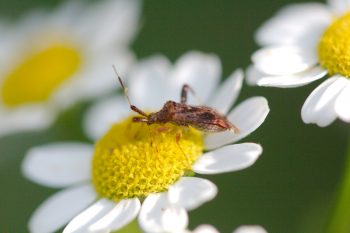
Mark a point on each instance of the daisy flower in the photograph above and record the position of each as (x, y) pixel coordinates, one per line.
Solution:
(303, 43)
(133, 163)
(49, 60)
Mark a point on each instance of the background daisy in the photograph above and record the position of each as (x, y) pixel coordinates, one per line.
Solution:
(302, 43)
(49, 60)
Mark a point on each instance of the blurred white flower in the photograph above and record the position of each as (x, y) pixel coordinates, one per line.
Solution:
(250, 229)
(205, 228)
(49, 60)
(242, 229)
(175, 220)
(135, 162)
(303, 43)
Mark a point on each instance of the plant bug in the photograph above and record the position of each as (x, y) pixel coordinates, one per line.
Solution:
(203, 118)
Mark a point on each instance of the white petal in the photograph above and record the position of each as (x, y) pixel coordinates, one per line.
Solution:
(64, 14)
(174, 219)
(58, 164)
(56, 211)
(154, 81)
(319, 106)
(339, 6)
(152, 211)
(302, 11)
(118, 17)
(227, 159)
(228, 92)
(254, 77)
(199, 70)
(342, 104)
(81, 222)
(191, 192)
(250, 229)
(101, 116)
(205, 229)
(123, 213)
(14, 45)
(26, 118)
(95, 79)
(247, 117)
(283, 60)
(295, 24)
(148, 84)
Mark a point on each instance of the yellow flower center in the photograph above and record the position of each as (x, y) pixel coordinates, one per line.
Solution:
(135, 159)
(334, 47)
(39, 75)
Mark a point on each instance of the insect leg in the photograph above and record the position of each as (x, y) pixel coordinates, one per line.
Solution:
(184, 92)
(137, 110)
(178, 137)
(155, 146)
(140, 119)
(163, 129)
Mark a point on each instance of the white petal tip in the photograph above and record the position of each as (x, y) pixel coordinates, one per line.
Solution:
(228, 159)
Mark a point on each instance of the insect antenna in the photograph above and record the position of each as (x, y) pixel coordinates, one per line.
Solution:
(122, 85)
(133, 107)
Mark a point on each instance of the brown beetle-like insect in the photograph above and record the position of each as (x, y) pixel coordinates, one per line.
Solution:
(203, 118)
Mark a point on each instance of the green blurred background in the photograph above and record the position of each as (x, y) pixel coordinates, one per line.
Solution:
(292, 186)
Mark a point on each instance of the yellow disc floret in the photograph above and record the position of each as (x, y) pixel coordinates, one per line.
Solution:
(135, 159)
(39, 74)
(334, 47)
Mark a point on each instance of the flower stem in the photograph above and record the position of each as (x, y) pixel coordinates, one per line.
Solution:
(340, 219)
